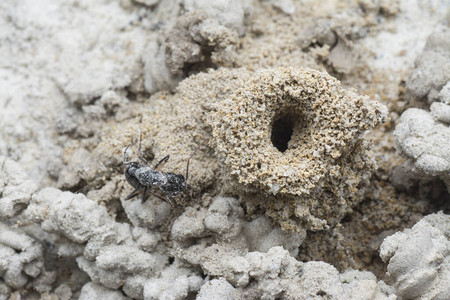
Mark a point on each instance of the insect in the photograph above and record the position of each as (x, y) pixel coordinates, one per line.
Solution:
(143, 178)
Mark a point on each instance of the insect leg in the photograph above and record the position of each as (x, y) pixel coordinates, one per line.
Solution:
(124, 154)
(187, 169)
(144, 195)
(139, 149)
(133, 193)
(165, 158)
(187, 164)
(163, 199)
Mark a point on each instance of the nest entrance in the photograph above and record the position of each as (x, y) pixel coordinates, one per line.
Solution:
(286, 124)
(282, 130)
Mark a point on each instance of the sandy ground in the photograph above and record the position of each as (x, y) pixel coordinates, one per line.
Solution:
(314, 206)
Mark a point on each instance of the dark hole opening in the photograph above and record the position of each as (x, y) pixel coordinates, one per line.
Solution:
(281, 133)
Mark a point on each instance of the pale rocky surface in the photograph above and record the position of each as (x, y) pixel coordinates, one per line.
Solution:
(196, 42)
(424, 82)
(15, 187)
(228, 13)
(424, 138)
(80, 79)
(419, 259)
(69, 54)
(217, 289)
(114, 256)
(22, 261)
(95, 291)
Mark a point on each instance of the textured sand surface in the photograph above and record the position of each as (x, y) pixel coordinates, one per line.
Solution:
(317, 133)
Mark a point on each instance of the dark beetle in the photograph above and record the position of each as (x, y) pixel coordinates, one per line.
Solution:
(144, 178)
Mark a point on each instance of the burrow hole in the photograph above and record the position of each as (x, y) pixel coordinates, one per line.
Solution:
(282, 130)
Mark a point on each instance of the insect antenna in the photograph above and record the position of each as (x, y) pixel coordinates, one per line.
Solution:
(188, 161)
(139, 149)
(125, 157)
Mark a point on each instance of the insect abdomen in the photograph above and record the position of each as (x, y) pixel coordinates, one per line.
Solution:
(149, 177)
(175, 183)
